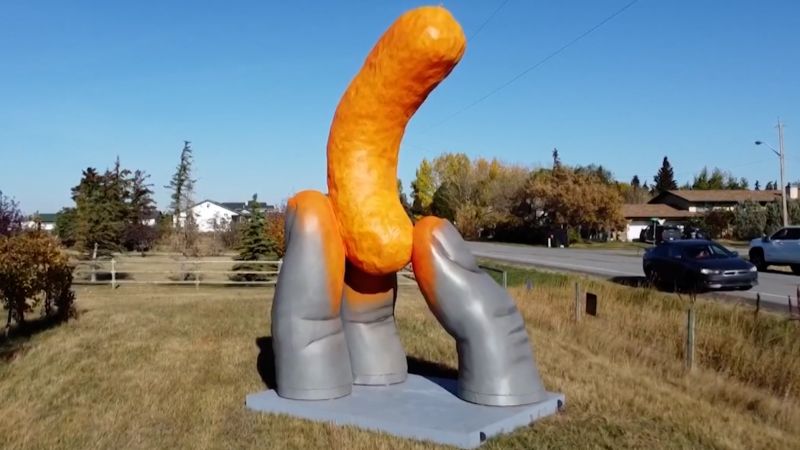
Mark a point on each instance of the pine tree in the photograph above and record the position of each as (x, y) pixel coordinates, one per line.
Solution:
(95, 215)
(556, 159)
(665, 178)
(140, 235)
(635, 183)
(254, 244)
(757, 186)
(423, 188)
(182, 186)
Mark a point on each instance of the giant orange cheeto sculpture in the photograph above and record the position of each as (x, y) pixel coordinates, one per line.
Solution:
(414, 55)
(333, 313)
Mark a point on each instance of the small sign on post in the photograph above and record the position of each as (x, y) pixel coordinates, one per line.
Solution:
(591, 304)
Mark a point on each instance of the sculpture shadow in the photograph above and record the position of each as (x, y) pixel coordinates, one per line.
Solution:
(444, 376)
(265, 363)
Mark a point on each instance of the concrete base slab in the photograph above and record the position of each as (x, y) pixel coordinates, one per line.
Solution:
(419, 408)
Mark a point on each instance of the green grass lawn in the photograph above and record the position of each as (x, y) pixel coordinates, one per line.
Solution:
(169, 367)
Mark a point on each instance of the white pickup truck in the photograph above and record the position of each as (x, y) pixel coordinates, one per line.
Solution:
(782, 248)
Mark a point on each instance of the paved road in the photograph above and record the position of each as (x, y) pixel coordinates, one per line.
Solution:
(624, 266)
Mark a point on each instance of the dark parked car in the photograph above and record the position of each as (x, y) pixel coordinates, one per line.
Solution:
(660, 233)
(697, 265)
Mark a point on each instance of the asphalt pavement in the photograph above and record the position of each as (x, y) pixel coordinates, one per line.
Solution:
(625, 266)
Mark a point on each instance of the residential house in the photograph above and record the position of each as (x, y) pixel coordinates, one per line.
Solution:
(705, 200)
(45, 222)
(640, 216)
(677, 206)
(210, 215)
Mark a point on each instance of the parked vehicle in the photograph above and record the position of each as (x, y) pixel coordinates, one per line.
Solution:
(782, 248)
(697, 265)
(690, 232)
(659, 233)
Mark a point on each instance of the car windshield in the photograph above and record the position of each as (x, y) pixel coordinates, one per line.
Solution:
(707, 251)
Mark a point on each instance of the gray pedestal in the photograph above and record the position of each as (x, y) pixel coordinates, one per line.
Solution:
(420, 408)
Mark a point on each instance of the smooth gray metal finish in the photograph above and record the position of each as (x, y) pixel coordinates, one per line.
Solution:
(376, 354)
(495, 360)
(311, 357)
(420, 408)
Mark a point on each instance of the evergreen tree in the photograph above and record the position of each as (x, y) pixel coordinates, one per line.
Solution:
(423, 188)
(556, 159)
(635, 183)
(254, 244)
(95, 214)
(665, 178)
(757, 186)
(140, 234)
(66, 224)
(182, 186)
(444, 202)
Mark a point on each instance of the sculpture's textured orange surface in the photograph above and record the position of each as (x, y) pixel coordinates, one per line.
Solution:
(414, 55)
(422, 256)
(314, 211)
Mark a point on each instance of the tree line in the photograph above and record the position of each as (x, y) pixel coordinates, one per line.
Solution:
(490, 199)
(493, 200)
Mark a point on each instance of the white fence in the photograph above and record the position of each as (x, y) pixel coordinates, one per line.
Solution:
(196, 272)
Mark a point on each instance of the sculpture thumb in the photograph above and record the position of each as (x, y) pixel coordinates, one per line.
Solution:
(495, 359)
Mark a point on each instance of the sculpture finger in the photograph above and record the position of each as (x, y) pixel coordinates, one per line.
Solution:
(376, 354)
(496, 365)
(311, 357)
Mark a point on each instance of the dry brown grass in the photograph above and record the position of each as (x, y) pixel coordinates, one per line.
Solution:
(168, 367)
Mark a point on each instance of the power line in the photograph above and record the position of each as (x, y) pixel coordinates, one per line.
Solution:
(488, 19)
(539, 63)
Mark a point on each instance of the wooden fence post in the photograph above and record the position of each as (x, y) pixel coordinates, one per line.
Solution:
(758, 304)
(789, 300)
(113, 273)
(690, 339)
(505, 280)
(577, 301)
(94, 263)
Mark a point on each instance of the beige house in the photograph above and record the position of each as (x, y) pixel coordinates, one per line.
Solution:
(639, 216)
(677, 206)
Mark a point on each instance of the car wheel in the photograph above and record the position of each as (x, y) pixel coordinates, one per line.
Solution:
(795, 269)
(757, 258)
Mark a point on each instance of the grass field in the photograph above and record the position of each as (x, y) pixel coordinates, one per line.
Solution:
(169, 367)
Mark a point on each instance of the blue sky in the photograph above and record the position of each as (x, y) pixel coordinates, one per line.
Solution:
(254, 85)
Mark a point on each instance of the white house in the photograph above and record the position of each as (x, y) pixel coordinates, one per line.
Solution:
(45, 222)
(210, 215)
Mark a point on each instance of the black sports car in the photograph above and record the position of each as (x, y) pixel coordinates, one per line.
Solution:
(697, 265)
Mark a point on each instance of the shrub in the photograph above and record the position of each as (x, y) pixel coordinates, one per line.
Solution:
(750, 221)
(718, 222)
(34, 270)
(276, 232)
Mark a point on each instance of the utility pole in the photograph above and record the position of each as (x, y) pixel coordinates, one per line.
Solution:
(783, 185)
(781, 157)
